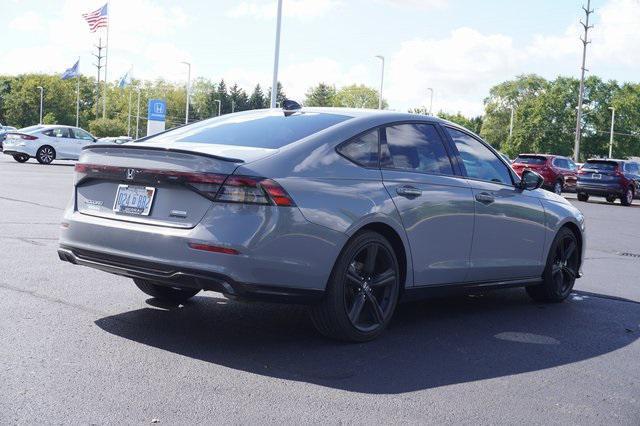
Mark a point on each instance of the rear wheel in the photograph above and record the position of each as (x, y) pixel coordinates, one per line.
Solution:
(583, 197)
(557, 187)
(45, 154)
(561, 271)
(362, 291)
(21, 158)
(611, 198)
(165, 293)
(627, 197)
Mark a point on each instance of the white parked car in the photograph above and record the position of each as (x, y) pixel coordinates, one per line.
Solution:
(46, 143)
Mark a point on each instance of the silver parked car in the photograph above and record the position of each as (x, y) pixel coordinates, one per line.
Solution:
(347, 210)
(47, 142)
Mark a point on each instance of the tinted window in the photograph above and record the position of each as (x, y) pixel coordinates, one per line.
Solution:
(561, 163)
(631, 168)
(479, 161)
(81, 134)
(362, 149)
(530, 159)
(58, 132)
(417, 147)
(262, 129)
(601, 165)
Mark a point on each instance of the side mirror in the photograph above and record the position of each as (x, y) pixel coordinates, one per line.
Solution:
(530, 180)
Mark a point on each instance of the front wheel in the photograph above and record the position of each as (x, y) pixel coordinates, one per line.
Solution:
(21, 158)
(45, 154)
(557, 187)
(362, 291)
(165, 293)
(561, 271)
(611, 198)
(627, 198)
(583, 197)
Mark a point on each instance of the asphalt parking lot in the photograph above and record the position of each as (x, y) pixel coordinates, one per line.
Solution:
(82, 346)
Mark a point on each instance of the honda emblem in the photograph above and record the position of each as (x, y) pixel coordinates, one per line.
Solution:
(130, 174)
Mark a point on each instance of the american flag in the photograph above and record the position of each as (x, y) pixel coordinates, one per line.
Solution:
(97, 19)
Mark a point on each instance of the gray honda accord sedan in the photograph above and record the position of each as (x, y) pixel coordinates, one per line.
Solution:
(346, 210)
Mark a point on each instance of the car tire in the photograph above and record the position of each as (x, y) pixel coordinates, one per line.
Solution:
(583, 197)
(561, 270)
(362, 291)
(611, 198)
(45, 154)
(558, 187)
(165, 293)
(627, 198)
(20, 158)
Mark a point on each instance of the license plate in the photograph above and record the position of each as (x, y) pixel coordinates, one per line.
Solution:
(132, 199)
(596, 176)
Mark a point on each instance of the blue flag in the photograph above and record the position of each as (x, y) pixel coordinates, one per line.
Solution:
(71, 72)
(125, 80)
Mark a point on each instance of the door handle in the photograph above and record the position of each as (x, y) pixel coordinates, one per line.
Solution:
(485, 198)
(408, 191)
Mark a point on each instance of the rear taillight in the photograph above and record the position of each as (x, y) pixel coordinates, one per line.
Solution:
(20, 136)
(253, 190)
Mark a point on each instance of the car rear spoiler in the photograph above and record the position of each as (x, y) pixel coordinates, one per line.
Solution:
(155, 148)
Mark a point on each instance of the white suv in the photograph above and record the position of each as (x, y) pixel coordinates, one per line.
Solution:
(46, 143)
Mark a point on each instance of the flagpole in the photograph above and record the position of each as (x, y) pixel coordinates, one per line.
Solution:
(78, 94)
(106, 62)
(129, 116)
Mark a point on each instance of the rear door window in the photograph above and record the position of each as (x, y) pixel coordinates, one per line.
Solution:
(530, 159)
(605, 166)
(478, 160)
(363, 149)
(418, 148)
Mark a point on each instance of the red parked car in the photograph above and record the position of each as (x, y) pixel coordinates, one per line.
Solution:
(559, 173)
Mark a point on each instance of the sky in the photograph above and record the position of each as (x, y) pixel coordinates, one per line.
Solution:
(460, 48)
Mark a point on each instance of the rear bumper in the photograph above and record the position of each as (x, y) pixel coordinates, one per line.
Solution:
(600, 189)
(13, 152)
(176, 276)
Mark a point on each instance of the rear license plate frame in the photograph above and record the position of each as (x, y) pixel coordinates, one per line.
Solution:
(119, 207)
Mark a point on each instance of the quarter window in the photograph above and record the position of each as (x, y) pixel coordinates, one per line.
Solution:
(417, 147)
(60, 132)
(479, 161)
(362, 149)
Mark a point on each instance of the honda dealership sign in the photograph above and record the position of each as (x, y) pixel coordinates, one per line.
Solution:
(157, 113)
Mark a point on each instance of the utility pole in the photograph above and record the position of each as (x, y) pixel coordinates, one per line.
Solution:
(276, 58)
(430, 89)
(613, 120)
(381, 80)
(186, 114)
(585, 41)
(41, 96)
(138, 115)
(219, 102)
(511, 123)
(99, 66)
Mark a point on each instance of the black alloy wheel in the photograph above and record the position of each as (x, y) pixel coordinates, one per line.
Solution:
(21, 158)
(561, 271)
(627, 198)
(557, 187)
(362, 291)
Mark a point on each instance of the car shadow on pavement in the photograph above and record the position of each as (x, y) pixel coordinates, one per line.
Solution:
(429, 344)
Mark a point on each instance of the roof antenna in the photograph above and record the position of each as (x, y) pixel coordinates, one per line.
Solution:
(290, 107)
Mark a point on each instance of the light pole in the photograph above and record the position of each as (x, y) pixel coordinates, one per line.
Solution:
(138, 115)
(41, 95)
(381, 80)
(274, 85)
(430, 89)
(511, 123)
(613, 119)
(219, 106)
(186, 114)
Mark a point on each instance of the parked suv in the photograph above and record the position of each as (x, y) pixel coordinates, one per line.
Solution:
(610, 179)
(559, 172)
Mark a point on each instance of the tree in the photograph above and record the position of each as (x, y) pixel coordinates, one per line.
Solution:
(257, 99)
(239, 98)
(474, 123)
(321, 95)
(280, 96)
(355, 96)
(105, 127)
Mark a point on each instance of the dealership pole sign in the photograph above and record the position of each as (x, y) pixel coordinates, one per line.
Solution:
(156, 114)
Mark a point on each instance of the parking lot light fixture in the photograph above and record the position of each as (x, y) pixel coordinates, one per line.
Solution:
(219, 102)
(41, 96)
(276, 57)
(381, 80)
(186, 114)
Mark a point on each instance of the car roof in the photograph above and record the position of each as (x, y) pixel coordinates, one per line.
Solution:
(541, 155)
(613, 160)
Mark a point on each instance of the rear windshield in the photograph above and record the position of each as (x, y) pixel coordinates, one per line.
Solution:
(530, 159)
(30, 129)
(601, 165)
(264, 129)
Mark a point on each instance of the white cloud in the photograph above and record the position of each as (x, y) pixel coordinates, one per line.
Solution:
(29, 21)
(424, 4)
(266, 9)
(615, 36)
(461, 67)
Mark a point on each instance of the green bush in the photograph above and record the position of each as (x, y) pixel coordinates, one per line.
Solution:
(105, 127)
